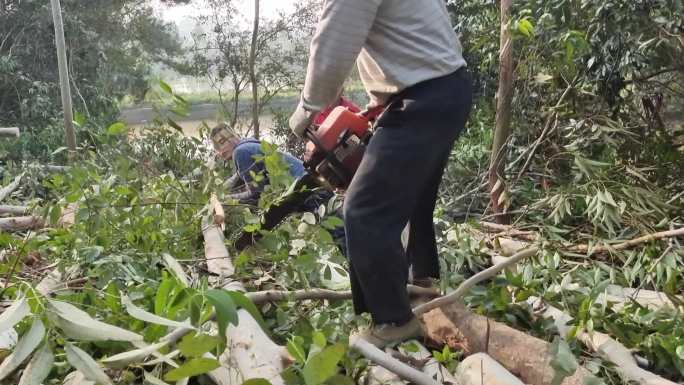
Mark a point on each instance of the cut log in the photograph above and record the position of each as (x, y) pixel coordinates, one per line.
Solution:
(13, 210)
(480, 368)
(29, 222)
(608, 348)
(526, 357)
(9, 189)
(9, 131)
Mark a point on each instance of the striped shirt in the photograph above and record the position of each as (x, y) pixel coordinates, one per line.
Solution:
(396, 44)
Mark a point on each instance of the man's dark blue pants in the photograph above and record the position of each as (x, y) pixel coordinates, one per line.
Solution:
(397, 183)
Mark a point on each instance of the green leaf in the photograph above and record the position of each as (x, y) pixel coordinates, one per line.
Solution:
(680, 352)
(86, 365)
(225, 308)
(319, 339)
(14, 314)
(176, 268)
(339, 379)
(174, 125)
(26, 345)
(542, 78)
(592, 380)
(257, 381)
(309, 218)
(192, 368)
(78, 324)
(294, 347)
(241, 301)
(162, 295)
(525, 27)
(38, 368)
(146, 316)
(149, 379)
(196, 345)
(564, 362)
(323, 365)
(117, 128)
(134, 356)
(165, 87)
(332, 222)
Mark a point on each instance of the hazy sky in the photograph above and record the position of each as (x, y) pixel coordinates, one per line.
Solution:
(269, 8)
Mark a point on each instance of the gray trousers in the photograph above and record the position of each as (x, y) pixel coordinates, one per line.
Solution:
(397, 183)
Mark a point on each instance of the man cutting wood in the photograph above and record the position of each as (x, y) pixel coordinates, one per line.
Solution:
(410, 61)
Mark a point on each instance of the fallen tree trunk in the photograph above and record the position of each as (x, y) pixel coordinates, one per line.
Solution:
(13, 210)
(29, 222)
(9, 131)
(249, 349)
(608, 348)
(526, 357)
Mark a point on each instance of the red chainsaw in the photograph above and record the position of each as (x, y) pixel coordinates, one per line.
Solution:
(335, 148)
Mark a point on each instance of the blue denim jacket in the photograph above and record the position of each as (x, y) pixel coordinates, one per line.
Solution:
(244, 158)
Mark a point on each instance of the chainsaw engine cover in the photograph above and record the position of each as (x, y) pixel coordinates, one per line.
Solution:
(335, 150)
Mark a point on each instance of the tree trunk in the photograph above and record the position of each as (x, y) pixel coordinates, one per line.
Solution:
(252, 71)
(64, 78)
(502, 131)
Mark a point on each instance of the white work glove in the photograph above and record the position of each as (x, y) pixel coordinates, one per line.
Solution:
(301, 119)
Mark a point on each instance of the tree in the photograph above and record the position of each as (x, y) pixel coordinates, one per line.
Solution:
(502, 129)
(233, 57)
(110, 47)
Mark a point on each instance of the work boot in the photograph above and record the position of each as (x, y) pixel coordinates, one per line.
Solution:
(388, 334)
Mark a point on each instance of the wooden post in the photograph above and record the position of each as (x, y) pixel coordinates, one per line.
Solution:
(64, 78)
(503, 116)
(252, 71)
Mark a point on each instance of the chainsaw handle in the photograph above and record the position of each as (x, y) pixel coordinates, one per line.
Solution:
(373, 112)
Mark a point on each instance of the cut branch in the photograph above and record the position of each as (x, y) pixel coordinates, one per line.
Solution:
(383, 359)
(474, 280)
(608, 348)
(627, 244)
(260, 297)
